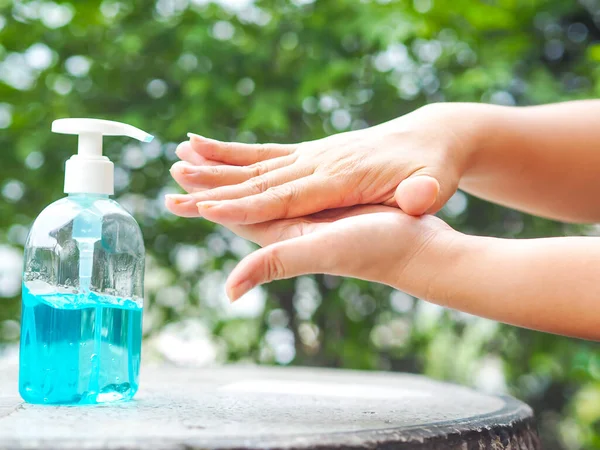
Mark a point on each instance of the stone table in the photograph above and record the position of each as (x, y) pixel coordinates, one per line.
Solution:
(240, 407)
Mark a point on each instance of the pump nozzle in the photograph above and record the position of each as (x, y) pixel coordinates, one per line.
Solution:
(89, 172)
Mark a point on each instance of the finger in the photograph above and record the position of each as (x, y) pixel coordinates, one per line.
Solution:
(268, 233)
(294, 257)
(416, 195)
(185, 152)
(237, 153)
(293, 199)
(186, 205)
(331, 215)
(253, 186)
(215, 176)
(182, 205)
(261, 233)
(176, 172)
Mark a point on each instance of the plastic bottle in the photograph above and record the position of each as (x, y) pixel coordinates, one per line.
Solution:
(81, 326)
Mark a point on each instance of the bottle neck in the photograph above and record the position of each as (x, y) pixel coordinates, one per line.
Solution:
(78, 196)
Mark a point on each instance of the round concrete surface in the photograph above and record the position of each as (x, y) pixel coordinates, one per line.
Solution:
(238, 407)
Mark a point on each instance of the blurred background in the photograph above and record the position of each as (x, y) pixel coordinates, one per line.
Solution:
(286, 71)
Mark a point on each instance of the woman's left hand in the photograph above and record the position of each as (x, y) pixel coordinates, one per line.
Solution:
(414, 162)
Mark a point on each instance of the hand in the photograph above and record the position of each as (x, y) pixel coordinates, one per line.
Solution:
(414, 162)
(374, 242)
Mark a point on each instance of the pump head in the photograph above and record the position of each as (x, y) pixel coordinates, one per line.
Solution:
(88, 172)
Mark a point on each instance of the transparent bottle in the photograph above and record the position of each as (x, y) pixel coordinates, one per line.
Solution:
(81, 326)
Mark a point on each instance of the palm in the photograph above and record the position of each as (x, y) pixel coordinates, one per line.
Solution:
(374, 243)
(337, 220)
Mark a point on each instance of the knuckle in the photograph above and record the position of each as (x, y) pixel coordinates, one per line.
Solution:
(257, 169)
(245, 216)
(262, 150)
(265, 151)
(284, 196)
(286, 192)
(273, 266)
(214, 171)
(258, 184)
(359, 197)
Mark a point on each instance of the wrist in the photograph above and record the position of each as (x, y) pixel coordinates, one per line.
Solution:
(454, 260)
(426, 270)
(465, 128)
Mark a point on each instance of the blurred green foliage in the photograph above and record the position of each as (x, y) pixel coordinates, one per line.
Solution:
(283, 70)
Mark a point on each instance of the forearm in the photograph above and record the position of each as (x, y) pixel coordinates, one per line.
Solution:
(544, 284)
(543, 160)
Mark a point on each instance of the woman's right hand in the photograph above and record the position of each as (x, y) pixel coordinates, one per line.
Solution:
(414, 162)
(370, 242)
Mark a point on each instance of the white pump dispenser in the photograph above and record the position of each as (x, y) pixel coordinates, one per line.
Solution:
(89, 172)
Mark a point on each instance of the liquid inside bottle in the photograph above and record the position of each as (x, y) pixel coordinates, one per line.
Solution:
(79, 348)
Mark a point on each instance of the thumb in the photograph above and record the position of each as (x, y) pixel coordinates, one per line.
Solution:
(419, 194)
(287, 259)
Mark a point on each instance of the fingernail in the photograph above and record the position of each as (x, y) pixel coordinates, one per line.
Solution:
(180, 166)
(206, 205)
(237, 291)
(187, 170)
(179, 199)
(201, 138)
